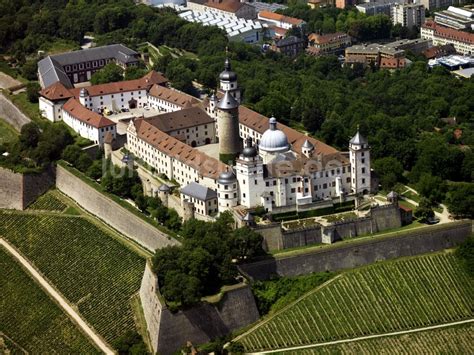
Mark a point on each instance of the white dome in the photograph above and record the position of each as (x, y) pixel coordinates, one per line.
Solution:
(274, 140)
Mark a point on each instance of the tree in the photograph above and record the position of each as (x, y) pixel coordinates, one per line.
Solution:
(71, 154)
(29, 136)
(32, 92)
(460, 200)
(181, 288)
(95, 170)
(132, 73)
(108, 74)
(245, 243)
(130, 343)
(29, 70)
(83, 162)
(431, 187)
(389, 170)
(424, 211)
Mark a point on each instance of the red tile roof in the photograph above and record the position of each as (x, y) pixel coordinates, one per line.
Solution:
(449, 33)
(225, 5)
(204, 164)
(327, 38)
(56, 91)
(392, 63)
(177, 97)
(75, 109)
(278, 17)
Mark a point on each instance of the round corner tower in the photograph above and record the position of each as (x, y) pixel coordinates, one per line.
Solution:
(230, 143)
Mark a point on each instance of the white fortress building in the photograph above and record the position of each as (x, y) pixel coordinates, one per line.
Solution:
(261, 162)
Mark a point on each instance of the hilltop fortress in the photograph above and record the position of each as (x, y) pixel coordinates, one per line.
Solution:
(261, 162)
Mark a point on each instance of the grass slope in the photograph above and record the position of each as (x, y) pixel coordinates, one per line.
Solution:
(7, 132)
(90, 268)
(452, 340)
(31, 319)
(380, 298)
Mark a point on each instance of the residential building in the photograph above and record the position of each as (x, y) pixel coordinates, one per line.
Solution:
(439, 51)
(381, 7)
(342, 4)
(166, 99)
(331, 43)
(86, 123)
(237, 29)
(231, 7)
(374, 52)
(79, 66)
(456, 17)
(203, 198)
(279, 20)
(453, 62)
(438, 4)
(462, 41)
(408, 15)
(290, 46)
(190, 125)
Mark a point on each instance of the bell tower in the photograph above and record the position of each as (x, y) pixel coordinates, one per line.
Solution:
(359, 154)
(228, 81)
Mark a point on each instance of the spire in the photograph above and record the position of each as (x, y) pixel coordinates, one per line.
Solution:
(227, 102)
(358, 139)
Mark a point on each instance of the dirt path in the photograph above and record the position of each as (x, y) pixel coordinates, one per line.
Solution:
(60, 300)
(367, 337)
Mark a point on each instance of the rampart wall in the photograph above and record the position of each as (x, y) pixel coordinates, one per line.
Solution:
(365, 251)
(17, 191)
(170, 331)
(112, 213)
(12, 114)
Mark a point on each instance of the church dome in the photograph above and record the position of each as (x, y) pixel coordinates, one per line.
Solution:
(274, 140)
(226, 178)
(227, 74)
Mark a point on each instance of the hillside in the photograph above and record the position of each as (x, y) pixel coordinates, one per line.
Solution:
(381, 298)
(451, 340)
(84, 260)
(30, 320)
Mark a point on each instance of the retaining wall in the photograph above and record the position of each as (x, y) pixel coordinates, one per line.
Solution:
(112, 213)
(17, 191)
(170, 331)
(12, 114)
(362, 252)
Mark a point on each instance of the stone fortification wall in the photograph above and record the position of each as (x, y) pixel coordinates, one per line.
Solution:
(380, 218)
(112, 213)
(363, 252)
(11, 114)
(170, 331)
(17, 191)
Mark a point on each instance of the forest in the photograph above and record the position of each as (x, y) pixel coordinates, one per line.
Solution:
(419, 121)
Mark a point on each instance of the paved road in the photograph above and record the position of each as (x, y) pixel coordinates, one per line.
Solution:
(61, 301)
(367, 337)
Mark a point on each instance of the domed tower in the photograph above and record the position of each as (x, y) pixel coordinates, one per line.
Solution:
(227, 191)
(228, 81)
(273, 142)
(163, 193)
(359, 154)
(84, 97)
(307, 149)
(213, 104)
(230, 144)
(249, 169)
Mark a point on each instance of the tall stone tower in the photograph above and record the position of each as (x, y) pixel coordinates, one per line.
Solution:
(230, 144)
(359, 154)
(228, 81)
(250, 176)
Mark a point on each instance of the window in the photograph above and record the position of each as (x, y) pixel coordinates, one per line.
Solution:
(363, 181)
(226, 196)
(235, 194)
(243, 195)
(363, 170)
(293, 190)
(267, 183)
(325, 186)
(363, 161)
(256, 182)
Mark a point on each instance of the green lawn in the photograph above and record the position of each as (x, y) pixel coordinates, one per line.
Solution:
(7, 132)
(92, 269)
(380, 298)
(451, 340)
(31, 319)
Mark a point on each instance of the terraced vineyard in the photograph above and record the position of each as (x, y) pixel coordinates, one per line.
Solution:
(90, 268)
(453, 340)
(48, 202)
(31, 319)
(380, 298)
